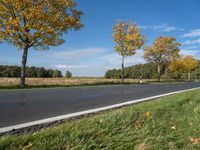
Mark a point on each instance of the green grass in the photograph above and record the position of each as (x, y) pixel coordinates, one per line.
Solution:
(167, 123)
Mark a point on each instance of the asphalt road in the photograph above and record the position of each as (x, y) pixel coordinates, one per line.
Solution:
(23, 106)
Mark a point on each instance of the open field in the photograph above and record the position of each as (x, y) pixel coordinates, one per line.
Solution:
(11, 82)
(171, 122)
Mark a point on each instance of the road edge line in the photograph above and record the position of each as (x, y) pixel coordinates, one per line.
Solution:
(86, 112)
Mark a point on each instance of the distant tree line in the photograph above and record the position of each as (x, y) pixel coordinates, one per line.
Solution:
(145, 70)
(149, 71)
(35, 72)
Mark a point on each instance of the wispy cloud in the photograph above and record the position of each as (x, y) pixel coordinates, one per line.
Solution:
(102, 64)
(114, 60)
(192, 33)
(192, 47)
(63, 66)
(8, 63)
(195, 53)
(162, 28)
(189, 42)
(77, 53)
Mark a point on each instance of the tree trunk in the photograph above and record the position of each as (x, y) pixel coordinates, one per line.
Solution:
(159, 73)
(122, 75)
(23, 67)
(189, 76)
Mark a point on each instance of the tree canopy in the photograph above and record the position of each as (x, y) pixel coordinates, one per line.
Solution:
(37, 24)
(128, 39)
(68, 74)
(164, 49)
(31, 72)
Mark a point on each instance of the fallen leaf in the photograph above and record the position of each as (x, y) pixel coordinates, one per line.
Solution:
(195, 140)
(101, 120)
(144, 146)
(138, 124)
(190, 123)
(173, 128)
(148, 114)
(28, 146)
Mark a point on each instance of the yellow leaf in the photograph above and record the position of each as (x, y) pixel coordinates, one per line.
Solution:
(195, 140)
(28, 146)
(173, 128)
(101, 120)
(148, 114)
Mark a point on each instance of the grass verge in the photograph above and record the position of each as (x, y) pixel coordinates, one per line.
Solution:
(172, 122)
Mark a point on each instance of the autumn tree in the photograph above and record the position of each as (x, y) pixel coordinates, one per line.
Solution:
(37, 24)
(164, 49)
(190, 64)
(177, 67)
(128, 39)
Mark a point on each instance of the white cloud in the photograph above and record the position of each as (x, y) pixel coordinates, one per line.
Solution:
(114, 60)
(77, 53)
(162, 28)
(189, 42)
(8, 63)
(194, 53)
(63, 66)
(192, 33)
(102, 64)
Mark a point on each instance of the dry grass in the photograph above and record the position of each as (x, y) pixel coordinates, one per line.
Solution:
(9, 82)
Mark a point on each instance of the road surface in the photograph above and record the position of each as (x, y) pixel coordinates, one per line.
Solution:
(22, 106)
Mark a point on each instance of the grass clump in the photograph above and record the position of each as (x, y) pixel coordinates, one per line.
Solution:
(171, 122)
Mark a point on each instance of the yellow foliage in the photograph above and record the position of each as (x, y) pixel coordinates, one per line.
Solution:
(37, 23)
(183, 64)
(127, 37)
(177, 67)
(190, 63)
(163, 49)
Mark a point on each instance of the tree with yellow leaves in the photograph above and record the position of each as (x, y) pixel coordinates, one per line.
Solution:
(37, 24)
(164, 49)
(190, 64)
(128, 39)
(177, 67)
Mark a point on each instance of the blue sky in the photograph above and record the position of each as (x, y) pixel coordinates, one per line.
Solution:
(89, 52)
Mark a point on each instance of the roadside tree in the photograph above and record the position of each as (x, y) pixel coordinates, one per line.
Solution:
(190, 64)
(36, 24)
(164, 49)
(128, 39)
(177, 67)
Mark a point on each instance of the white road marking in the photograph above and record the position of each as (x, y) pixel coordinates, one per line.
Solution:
(86, 112)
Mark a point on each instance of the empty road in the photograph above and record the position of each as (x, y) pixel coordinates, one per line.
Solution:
(21, 106)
